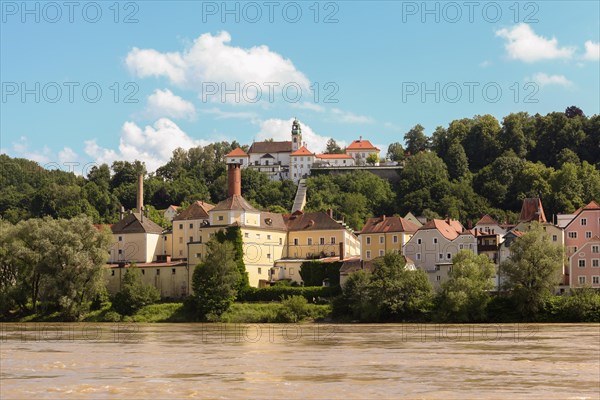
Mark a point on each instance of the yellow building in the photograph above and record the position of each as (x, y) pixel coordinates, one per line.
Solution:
(136, 239)
(186, 228)
(383, 234)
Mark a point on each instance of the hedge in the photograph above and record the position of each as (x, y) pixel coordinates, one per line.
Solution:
(277, 293)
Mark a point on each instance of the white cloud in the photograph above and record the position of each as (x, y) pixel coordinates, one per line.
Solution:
(153, 145)
(305, 105)
(592, 51)
(211, 59)
(163, 103)
(67, 155)
(543, 79)
(350, 118)
(523, 44)
(220, 114)
(280, 129)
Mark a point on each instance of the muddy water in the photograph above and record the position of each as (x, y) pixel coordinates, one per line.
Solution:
(80, 361)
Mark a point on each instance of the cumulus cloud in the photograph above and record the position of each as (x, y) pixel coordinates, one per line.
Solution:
(163, 103)
(592, 51)
(212, 59)
(523, 44)
(280, 130)
(543, 79)
(153, 145)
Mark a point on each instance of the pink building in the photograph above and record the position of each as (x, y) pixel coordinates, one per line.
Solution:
(582, 230)
(585, 264)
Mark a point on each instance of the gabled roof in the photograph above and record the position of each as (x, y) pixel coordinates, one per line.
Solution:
(388, 224)
(196, 210)
(333, 156)
(133, 223)
(271, 220)
(270, 147)
(449, 231)
(532, 210)
(487, 220)
(312, 221)
(267, 156)
(235, 202)
(302, 151)
(591, 206)
(237, 152)
(361, 145)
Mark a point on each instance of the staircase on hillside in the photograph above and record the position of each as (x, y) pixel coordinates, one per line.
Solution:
(300, 200)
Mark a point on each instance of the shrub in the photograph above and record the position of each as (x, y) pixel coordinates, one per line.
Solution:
(293, 309)
(582, 305)
(276, 293)
(134, 294)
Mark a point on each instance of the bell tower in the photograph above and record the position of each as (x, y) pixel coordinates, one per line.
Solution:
(296, 135)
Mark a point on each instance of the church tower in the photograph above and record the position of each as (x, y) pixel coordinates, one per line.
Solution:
(296, 135)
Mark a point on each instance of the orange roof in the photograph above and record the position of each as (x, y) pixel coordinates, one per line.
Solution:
(388, 224)
(333, 156)
(487, 220)
(361, 145)
(302, 151)
(592, 206)
(532, 210)
(449, 230)
(237, 152)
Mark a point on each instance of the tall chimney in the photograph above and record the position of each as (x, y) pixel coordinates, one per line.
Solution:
(140, 193)
(234, 180)
(121, 212)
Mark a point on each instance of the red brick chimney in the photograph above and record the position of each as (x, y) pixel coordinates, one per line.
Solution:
(140, 193)
(234, 180)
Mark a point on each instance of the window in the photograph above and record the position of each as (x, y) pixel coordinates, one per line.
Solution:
(369, 254)
(440, 256)
(438, 278)
(269, 237)
(368, 240)
(554, 238)
(395, 239)
(583, 221)
(595, 263)
(419, 241)
(581, 263)
(180, 226)
(588, 235)
(321, 240)
(259, 270)
(112, 273)
(220, 218)
(258, 235)
(434, 240)
(173, 271)
(191, 239)
(164, 237)
(143, 272)
(309, 241)
(418, 256)
(381, 253)
(246, 234)
(437, 267)
(269, 256)
(120, 251)
(595, 280)
(582, 280)
(157, 271)
(572, 235)
(120, 238)
(191, 226)
(381, 239)
(448, 256)
(280, 241)
(198, 255)
(333, 240)
(295, 241)
(595, 249)
(460, 246)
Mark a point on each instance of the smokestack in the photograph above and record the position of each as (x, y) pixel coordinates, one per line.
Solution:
(140, 193)
(121, 212)
(234, 180)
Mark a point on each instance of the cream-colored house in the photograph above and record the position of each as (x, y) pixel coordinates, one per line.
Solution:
(434, 245)
(237, 156)
(360, 149)
(136, 239)
(383, 234)
(186, 228)
(171, 212)
(301, 161)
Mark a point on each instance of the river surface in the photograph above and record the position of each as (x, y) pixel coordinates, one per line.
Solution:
(165, 361)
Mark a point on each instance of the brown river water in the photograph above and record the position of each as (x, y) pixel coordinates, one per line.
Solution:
(167, 361)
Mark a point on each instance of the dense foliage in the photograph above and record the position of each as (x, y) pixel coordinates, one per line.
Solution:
(134, 294)
(51, 265)
(313, 273)
(471, 167)
(276, 293)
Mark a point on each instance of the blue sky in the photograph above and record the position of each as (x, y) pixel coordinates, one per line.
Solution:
(379, 68)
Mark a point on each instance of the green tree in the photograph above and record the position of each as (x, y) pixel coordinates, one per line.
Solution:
(465, 295)
(332, 147)
(416, 140)
(215, 281)
(372, 159)
(532, 271)
(134, 294)
(395, 152)
(457, 162)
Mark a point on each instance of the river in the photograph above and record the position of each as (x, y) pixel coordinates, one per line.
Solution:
(164, 361)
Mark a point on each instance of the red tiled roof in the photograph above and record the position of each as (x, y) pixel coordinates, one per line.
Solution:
(270, 147)
(234, 202)
(333, 156)
(361, 145)
(302, 151)
(532, 210)
(196, 210)
(592, 206)
(449, 231)
(487, 220)
(237, 152)
(388, 224)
